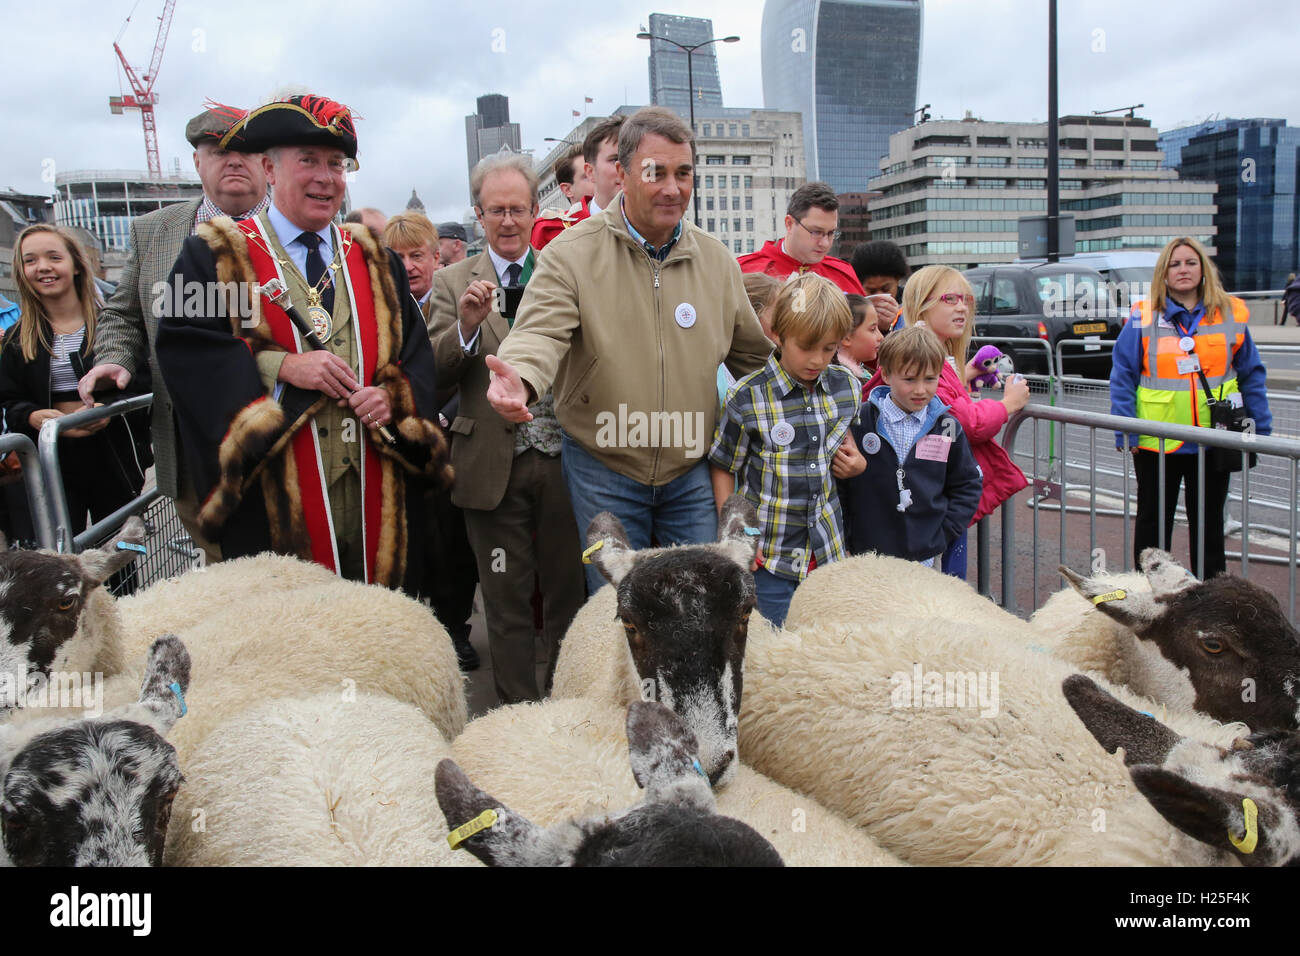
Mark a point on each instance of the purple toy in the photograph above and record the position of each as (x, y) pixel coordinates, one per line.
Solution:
(988, 361)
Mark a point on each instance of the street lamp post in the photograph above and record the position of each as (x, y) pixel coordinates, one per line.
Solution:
(690, 84)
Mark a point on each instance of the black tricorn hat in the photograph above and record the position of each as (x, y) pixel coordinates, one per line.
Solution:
(305, 120)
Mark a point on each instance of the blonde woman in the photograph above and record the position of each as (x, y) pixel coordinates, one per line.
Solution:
(42, 359)
(940, 297)
(1189, 328)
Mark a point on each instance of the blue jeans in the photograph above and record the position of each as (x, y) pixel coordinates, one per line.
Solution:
(774, 594)
(954, 559)
(680, 512)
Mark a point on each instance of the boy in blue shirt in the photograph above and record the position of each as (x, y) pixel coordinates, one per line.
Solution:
(780, 435)
(921, 485)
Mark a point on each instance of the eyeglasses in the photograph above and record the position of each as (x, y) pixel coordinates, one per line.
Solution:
(819, 235)
(952, 298)
(500, 212)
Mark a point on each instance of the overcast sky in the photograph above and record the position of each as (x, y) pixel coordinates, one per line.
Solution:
(411, 70)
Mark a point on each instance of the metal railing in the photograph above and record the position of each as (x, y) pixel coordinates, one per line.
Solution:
(33, 483)
(1284, 452)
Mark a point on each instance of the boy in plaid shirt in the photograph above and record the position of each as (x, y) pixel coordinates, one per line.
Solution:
(780, 435)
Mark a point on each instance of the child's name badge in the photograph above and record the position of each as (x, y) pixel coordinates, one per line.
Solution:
(933, 447)
(783, 433)
(1189, 363)
(871, 443)
(685, 315)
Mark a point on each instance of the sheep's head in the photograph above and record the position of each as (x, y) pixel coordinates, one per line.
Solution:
(1228, 635)
(685, 611)
(675, 825)
(1244, 802)
(96, 792)
(45, 623)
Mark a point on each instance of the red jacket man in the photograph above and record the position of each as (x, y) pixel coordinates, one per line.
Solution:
(810, 230)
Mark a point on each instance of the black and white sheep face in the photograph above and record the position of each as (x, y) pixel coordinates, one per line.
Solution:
(1244, 802)
(686, 611)
(1227, 637)
(96, 792)
(44, 623)
(676, 824)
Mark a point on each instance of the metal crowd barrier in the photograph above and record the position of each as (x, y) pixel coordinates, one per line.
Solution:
(1281, 454)
(169, 548)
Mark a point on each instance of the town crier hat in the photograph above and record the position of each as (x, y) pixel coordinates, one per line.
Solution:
(305, 120)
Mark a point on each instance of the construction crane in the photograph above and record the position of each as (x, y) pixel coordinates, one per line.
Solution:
(143, 97)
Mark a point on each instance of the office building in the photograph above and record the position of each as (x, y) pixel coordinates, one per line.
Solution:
(1255, 163)
(670, 74)
(851, 67)
(489, 130)
(17, 212)
(952, 192)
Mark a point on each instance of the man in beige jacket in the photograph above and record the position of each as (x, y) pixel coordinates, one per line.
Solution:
(627, 319)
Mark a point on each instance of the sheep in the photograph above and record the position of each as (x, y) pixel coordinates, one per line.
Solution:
(546, 760)
(324, 780)
(948, 744)
(685, 617)
(676, 825)
(1223, 647)
(56, 618)
(1240, 805)
(96, 791)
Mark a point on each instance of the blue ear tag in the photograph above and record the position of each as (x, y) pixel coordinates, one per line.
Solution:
(698, 768)
(752, 532)
(175, 688)
(128, 546)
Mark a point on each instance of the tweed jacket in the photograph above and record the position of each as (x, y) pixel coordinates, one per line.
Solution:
(483, 449)
(128, 326)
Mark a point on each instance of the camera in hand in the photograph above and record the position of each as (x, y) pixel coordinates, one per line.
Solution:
(509, 298)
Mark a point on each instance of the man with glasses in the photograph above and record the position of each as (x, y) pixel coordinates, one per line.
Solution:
(509, 482)
(811, 221)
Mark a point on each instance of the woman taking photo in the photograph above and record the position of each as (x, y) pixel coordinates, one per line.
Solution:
(941, 298)
(43, 357)
(1188, 336)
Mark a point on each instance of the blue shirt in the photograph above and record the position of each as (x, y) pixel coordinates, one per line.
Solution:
(662, 252)
(288, 235)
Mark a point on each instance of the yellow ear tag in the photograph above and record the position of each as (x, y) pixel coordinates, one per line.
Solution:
(586, 555)
(1117, 595)
(463, 832)
(1247, 843)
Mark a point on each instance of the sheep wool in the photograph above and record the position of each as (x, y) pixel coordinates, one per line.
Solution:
(567, 758)
(594, 659)
(316, 781)
(949, 745)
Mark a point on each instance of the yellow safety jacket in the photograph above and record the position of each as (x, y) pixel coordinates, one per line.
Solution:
(1165, 394)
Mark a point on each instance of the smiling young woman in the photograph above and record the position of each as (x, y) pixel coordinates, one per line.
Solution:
(103, 463)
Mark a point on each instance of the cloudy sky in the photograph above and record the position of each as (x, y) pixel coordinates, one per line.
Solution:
(412, 69)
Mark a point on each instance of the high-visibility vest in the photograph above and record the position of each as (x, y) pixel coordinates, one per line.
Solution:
(1166, 395)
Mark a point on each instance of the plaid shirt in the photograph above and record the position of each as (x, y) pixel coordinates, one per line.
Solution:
(209, 210)
(779, 438)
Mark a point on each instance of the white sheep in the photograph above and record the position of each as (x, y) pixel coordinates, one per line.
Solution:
(325, 780)
(550, 760)
(948, 744)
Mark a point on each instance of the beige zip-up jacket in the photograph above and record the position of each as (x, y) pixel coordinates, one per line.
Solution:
(631, 346)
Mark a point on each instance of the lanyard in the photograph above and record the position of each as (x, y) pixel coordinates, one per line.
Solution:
(1195, 323)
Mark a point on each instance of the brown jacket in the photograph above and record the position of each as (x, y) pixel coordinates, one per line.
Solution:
(632, 346)
(484, 447)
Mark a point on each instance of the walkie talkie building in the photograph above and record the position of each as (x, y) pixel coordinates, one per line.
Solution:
(852, 68)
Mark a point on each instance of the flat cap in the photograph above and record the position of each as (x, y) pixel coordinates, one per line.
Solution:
(210, 125)
(452, 230)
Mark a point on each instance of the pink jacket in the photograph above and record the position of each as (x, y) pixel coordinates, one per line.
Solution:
(981, 421)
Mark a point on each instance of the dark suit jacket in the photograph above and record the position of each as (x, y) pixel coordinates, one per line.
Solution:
(128, 326)
(484, 447)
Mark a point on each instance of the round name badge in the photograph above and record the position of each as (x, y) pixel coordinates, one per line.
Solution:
(783, 433)
(685, 315)
(1187, 343)
(871, 443)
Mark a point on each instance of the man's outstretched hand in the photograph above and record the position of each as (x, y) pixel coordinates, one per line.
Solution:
(507, 391)
(97, 376)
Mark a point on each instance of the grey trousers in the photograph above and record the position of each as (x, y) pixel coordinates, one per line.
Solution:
(531, 531)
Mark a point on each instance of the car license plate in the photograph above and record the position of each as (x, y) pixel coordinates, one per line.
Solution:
(1083, 328)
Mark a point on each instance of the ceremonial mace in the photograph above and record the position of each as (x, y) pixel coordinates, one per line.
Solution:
(276, 293)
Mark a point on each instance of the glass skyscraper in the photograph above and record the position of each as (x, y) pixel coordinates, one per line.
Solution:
(669, 74)
(852, 68)
(1256, 163)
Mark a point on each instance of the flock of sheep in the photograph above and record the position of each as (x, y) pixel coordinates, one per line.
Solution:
(897, 718)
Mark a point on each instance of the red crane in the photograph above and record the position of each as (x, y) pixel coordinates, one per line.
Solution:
(143, 97)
